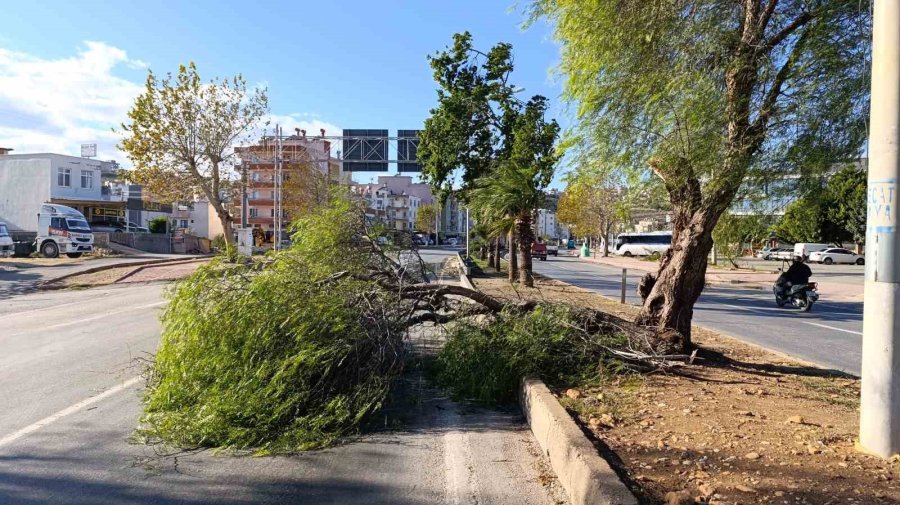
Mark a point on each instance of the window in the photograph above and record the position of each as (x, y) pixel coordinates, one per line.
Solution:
(58, 222)
(64, 177)
(254, 212)
(272, 212)
(184, 223)
(87, 179)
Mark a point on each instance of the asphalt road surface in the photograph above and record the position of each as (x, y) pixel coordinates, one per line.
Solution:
(830, 335)
(70, 391)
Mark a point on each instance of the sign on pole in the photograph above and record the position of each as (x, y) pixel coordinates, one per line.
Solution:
(88, 150)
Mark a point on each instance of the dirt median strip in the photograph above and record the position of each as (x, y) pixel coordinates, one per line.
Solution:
(56, 282)
(118, 273)
(742, 425)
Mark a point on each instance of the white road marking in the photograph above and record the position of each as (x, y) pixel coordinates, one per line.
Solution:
(461, 485)
(31, 428)
(832, 327)
(88, 319)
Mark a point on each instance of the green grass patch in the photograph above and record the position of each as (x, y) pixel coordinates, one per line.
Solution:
(485, 362)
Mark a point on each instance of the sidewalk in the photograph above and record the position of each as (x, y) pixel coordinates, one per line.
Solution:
(737, 278)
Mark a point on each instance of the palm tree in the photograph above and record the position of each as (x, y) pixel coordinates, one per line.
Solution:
(513, 193)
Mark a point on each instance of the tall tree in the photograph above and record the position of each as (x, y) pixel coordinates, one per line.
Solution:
(426, 218)
(476, 110)
(481, 131)
(182, 133)
(847, 191)
(592, 204)
(706, 94)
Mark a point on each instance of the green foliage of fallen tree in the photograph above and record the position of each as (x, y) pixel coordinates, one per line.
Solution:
(485, 362)
(267, 360)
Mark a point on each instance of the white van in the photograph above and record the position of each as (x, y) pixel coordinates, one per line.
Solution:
(803, 249)
(63, 229)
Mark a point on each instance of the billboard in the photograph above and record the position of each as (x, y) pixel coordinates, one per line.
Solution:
(88, 150)
(407, 147)
(365, 150)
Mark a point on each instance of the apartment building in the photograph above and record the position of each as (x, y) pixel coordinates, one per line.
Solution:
(303, 157)
(394, 199)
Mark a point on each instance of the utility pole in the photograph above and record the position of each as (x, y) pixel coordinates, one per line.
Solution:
(879, 426)
(244, 200)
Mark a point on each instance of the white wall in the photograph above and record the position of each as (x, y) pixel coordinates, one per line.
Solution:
(24, 186)
(76, 166)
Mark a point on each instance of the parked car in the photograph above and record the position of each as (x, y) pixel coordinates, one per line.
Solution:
(117, 227)
(539, 250)
(837, 255)
(769, 253)
(7, 248)
(452, 241)
(553, 249)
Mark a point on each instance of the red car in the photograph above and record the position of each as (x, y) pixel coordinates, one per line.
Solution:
(539, 250)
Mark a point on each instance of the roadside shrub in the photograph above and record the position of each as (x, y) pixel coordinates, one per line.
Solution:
(158, 224)
(485, 363)
(218, 242)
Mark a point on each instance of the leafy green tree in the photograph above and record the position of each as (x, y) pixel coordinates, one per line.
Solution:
(480, 129)
(733, 232)
(704, 95)
(158, 224)
(593, 204)
(469, 128)
(182, 133)
(847, 190)
(833, 212)
(426, 218)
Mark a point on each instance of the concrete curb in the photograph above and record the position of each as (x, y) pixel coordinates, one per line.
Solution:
(586, 477)
(49, 283)
(464, 273)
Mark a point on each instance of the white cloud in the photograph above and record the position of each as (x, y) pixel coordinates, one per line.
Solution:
(57, 104)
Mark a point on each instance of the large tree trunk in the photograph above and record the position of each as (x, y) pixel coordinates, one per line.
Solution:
(670, 294)
(513, 258)
(526, 238)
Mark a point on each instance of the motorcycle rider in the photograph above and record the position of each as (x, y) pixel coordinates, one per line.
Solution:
(798, 273)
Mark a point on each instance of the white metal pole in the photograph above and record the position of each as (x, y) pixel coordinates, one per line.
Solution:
(467, 232)
(879, 425)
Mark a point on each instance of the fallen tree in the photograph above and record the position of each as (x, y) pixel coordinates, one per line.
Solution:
(296, 350)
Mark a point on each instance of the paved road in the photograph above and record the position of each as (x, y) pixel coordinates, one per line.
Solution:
(830, 335)
(71, 401)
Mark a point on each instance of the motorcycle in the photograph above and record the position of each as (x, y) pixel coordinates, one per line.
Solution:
(801, 296)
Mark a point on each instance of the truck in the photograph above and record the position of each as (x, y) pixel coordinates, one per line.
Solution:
(803, 249)
(552, 249)
(62, 229)
(7, 248)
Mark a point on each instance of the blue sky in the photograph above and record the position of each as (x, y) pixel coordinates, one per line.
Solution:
(350, 64)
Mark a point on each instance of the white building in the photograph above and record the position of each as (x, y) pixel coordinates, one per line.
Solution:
(28, 180)
(547, 227)
(199, 218)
